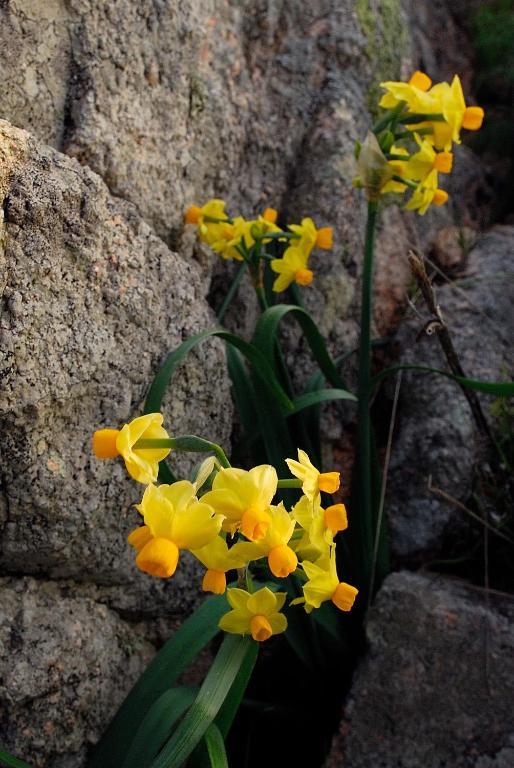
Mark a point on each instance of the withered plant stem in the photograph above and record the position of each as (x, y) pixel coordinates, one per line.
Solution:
(418, 269)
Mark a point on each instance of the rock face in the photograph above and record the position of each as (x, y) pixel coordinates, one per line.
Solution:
(436, 434)
(136, 110)
(93, 300)
(60, 677)
(436, 686)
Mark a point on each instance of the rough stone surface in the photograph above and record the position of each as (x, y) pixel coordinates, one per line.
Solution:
(436, 686)
(451, 247)
(162, 104)
(61, 678)
(92, 302)
(435, 432)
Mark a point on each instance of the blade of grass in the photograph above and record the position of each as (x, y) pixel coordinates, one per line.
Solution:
(10, 761)
(266, 334)
(230, 706)
(157, 725)
(260, 365)
(207, 704)
(173, 658)
(215, 747)
(497, 388)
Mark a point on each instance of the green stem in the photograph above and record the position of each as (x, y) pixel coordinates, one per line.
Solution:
(216, 220)
(408, 134)
(364, 390)
(231, 292)
(261, 298)
(187, 443)
(290, 483)
(422, 117)
(277, 236)
(407, 182)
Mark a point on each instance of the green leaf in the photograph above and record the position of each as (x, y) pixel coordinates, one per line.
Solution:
(10, 761)
(228, 710)
(173, 658)
(207, 704)
(497, 388)
(321, 396)
(231, 292)
(215, 747)
(157, 725)
(244, 395)
(265, 337)
(260, 365)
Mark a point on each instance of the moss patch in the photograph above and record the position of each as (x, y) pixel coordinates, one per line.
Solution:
(387, 41)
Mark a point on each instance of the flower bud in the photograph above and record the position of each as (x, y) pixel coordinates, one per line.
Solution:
(374, 170)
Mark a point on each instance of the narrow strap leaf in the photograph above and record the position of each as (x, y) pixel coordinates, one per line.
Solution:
(244, 395)
(215, 747)
(261, 366)
(207, 704)
(230, 706)
(173, 658)
(10, 761)
(497, 388)
(157, 725)
(227, 301)
(266, 331)
(321, 396)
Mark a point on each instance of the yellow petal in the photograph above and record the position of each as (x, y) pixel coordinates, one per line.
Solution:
(139, 537)
(260, 628)
(336, 518)
(215, 582)
(282, 561)
(159, 557)
(235, 623)
(344, 596)
(104, 443)
(329, 482)
(195, 526)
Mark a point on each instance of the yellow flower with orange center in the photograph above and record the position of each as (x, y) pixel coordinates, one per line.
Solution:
(427, 193)
(292, 268)
(323, 585)
(256, 614)
(244, 499)
(218, 559)
(313, 481)
(142, 463)
(274, 544)
(174, 519)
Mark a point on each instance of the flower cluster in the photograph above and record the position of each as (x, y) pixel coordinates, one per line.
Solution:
(228, 520)
(412, 143)
(249, 241)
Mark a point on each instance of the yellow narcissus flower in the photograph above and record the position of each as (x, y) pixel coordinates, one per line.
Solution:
(309, 236)
(244, 499)
(218, 559)
(174, 520)
(414, 93)
(313, 481)
(449, 100)
(319, 526)
(426, 160)
(142, 463)
(427, 193)
(209, 231)
(274, 545)
(323, 584)
(291, 268)
(257, 614)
